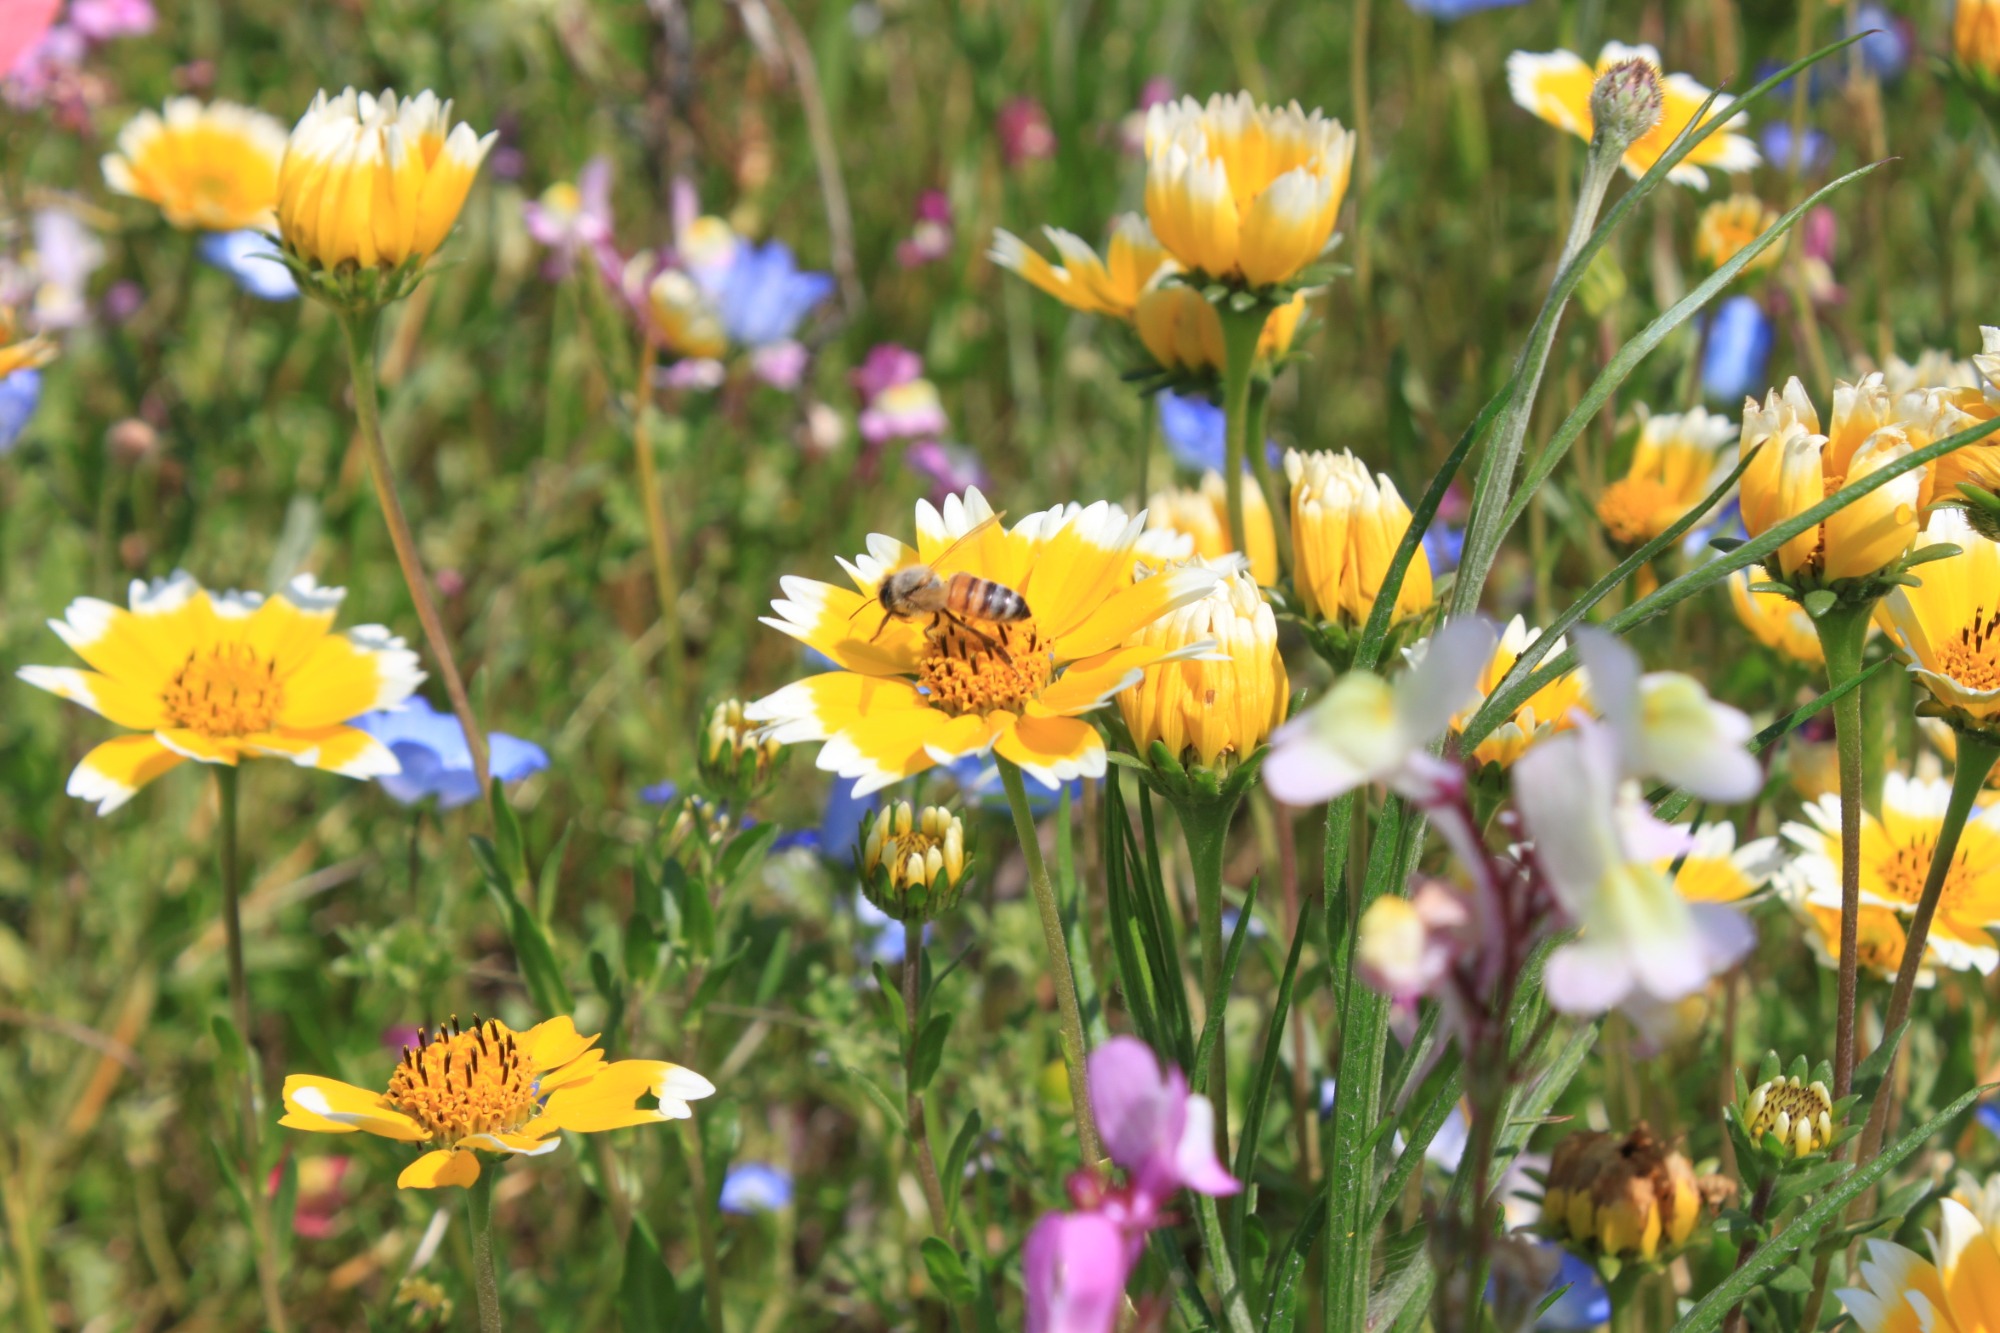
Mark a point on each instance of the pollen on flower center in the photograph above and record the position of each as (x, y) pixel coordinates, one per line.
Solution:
(1631, 508)
(458, 1083)
(227, 689)
(976, 668)
(1903, 871)
(1973, 658)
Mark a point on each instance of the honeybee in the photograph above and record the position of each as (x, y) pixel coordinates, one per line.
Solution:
(960, 598)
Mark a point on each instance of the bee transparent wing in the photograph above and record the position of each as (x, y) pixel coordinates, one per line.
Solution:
(968, 535)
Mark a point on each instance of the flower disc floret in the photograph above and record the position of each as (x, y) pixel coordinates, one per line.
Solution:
(1800, 1114)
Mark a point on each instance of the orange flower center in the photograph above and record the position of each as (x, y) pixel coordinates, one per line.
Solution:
(978, 666)
(1880, 940)
(1795, 1102)
(460, 1083)
(1973, 658)
(1637, 509)
(224, 690)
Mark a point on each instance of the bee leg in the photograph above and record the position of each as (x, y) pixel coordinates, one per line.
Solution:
(887, 616)
(991, 643)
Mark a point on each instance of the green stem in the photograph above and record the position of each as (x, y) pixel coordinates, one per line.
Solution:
(660, 540)
(913, 1100)
(1486, 527)
(1205, 826)
(1843, 631)
(1235, 1306)
(360, 329)
(21, 1192)
(1074, 1045)
(1148, 412)
(704, 1225)
(485, 1277)
(268, 1277)
(1278, 497)
(1241, 330)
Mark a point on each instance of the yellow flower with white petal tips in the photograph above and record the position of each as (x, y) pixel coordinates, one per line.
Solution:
(1716, 870)
(1958, 1289)
(925, 689)
(1555, 86)
(1547, 711)
(1203, 515)
(375, 180)
(218, 677)
(1949, 626)
(1217, 708)
(1239, 191)
(1727, 225)
(1896, 850)
(18, 353)
(209, 168)
(1108, 286)
(1776, 620)
(1796, 467)
(1676, 463)
(491, 1088)
(1346, 526)
(1181, 330)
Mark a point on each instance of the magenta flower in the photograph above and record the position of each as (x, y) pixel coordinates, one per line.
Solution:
(950, 468)
(930, 239)
(571, 219)
(886, 366)
(102, 20)
(22, 26)
(897, 402)
(1025, 132)
(1075, 1265)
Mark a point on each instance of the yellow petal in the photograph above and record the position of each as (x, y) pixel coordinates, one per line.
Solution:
(609, 1099)
(328, 1106)
(1053, 749)
(127, 705)
(553, 1043)
(443, 1166)
(111, 773)
(348, 751)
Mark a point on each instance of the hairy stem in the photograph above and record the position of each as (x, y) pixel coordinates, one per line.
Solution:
(485, 1276)
(1842, 632)
(268, 1283)
(360, 329)
(1205, 826)
(660, 540)
(913, 1097)
(1241, 330)
(1074, 1045)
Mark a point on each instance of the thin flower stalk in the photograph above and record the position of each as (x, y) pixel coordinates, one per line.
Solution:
(360, 327)
(485, 1274)
(1074, 1044)
(1241, 330)
(1843, 632)
(659, 537)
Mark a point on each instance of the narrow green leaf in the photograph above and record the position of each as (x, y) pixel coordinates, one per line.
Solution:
(955, 1159)
(509, 849)
(947, 1271)
(883, 1103)
(648, 1300)
(930, 1050)
(1258, 1102)
(1217, 997)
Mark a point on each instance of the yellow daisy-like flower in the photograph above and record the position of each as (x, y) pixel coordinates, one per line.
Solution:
(1548, 710)
(1108, 286)
(1796, 467)
(1896, 850)
(375, 180)
(209, 168)
(1346, 526)
(1949, 626)
(1716, 870)
(1776, 620)
(497, 1090)
(1203, 515)
(924, 689)
(1675, 464)
(1727, 225)
(217, 677)
(17, 352)
(1221, 704)
(1958, 1289)
(1182, 331)
(1975, 35)
(1957, 406)
(1555, 86)
(1235, 190)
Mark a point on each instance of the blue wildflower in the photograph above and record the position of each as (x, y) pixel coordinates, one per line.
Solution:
(1988, 1115)
(1890, 41)
(1195, 430)
(659, 793)
(253, 259)
(436, 760)
(1450, 11)
(1739, 348)
(762, 296)
(20, 393)
(755, 1187)
(1586, 1304)
(1444, 545)
(840, 820)
(889, 940)
(1814, 147)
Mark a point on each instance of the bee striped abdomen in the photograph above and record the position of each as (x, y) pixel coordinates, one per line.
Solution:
(983, 599)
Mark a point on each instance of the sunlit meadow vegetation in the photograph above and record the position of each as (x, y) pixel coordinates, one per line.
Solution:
(1502, 841)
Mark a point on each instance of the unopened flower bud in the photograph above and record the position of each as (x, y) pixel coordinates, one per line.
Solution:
(1626, 102)
(913, 864)
(131, 441)
(1797, 1112)
(737, 760)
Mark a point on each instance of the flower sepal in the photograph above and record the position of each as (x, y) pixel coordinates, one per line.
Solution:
(1981, 508)
(1197, 786)
(738, 760)
(352, 288)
